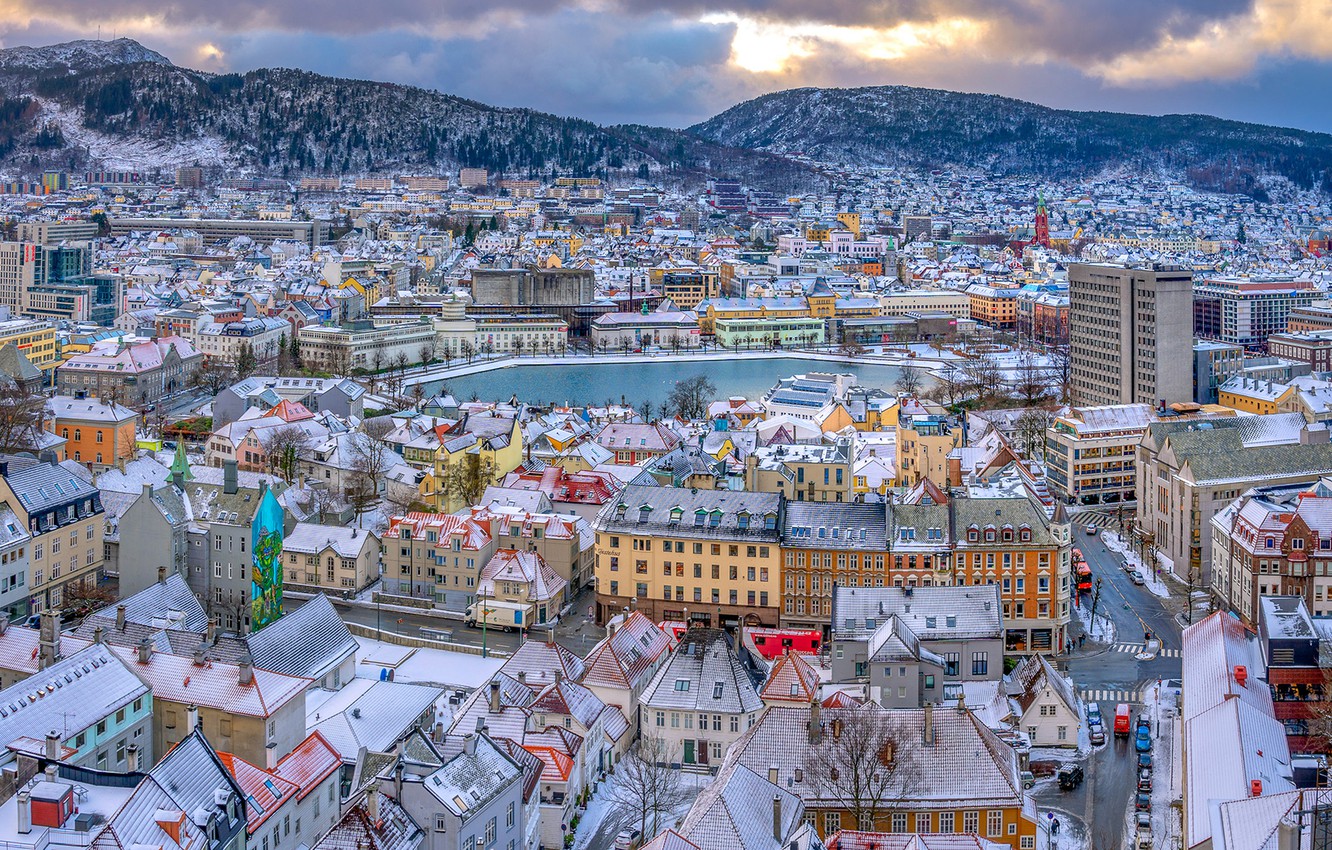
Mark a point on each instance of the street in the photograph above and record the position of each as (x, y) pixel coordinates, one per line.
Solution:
(1110, 674)
(574, 632)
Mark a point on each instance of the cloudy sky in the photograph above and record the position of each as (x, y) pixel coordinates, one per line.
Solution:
(674, 62)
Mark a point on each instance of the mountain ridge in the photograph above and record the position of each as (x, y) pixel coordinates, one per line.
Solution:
(118, 104)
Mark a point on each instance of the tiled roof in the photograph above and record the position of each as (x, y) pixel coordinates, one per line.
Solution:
(156, 605)
(264, 791)
(627, 656)
(935, 613)
(703, 674)
(735, 812)
(74, 693)
(791, 679)
(309, 764)
(216, 685)
(521, 567)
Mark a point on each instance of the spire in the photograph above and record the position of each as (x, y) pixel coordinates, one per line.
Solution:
(180, 467)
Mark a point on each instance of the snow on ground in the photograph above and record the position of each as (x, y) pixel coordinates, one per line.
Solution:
(1072, 833)
(1103, 630)
(1151, 577)
(458, 670)
(1166, 772)
(604, 817)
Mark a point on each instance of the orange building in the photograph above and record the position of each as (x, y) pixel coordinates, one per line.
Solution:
(994, 306)
(99, 432)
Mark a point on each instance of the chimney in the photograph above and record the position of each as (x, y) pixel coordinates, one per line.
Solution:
(161, 575)
(777, 818)
(229, 478)
(929, 724)
(210, 633)
(495, 696)
(773, 775)
(53, 745)
(522, 676)
(24, 812)
(437, 733)
(372, 804)
(398, 770)
(99, 635)
(120, 617)
(1241, 675)
(192, 717)
(815, 722)
(199, 660)
(49, 638)
(4, 625)
(559, 676)
(246, 671)
(178, 479)
(51, 773)
(132, 758)
(271, 755)
(469, 744)
(610, 629)
(145, 651)
(1255, 788)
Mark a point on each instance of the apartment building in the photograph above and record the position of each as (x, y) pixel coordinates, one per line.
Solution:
(802, 472)
(1130, 333)
(223, 342)
(563, 542)
(313, 233)
(1188, 472)
(34, 338)
(330, 558)
(1011, 543)
(1274, 541)
(437, 557)
(925, 438)
(1245, 311)
(62, 511)
(1091, 452)
(99, 433)
(707, 556)
(364, 345)
(827, 545)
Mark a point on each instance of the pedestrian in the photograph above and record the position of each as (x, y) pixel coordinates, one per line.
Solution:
(1081, 640)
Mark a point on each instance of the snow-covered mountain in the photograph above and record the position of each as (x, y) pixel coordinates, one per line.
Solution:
(901, 125)
(119, 105)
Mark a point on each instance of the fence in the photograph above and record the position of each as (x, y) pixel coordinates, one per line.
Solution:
(420, 642)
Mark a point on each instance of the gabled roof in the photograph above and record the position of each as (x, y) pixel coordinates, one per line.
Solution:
(216, 684)
(735, 812)
(703, 674)
(628, 655)
(308, 642)
(313, 761)
(264, 791)
(792, 679)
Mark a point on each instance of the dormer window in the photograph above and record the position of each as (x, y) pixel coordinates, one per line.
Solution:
(742, 520)
(769, 522)
(700, 516)
(989, 534)
(1024, 534)
(620, 509)
(973, 534)
(676, 513)
(714, 519)
(644, 511)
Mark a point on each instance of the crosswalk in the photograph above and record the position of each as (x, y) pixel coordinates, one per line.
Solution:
(1135, 648)
(1098, 518)
(1110, 695)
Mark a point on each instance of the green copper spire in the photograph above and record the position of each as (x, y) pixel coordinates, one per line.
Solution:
(179, 465)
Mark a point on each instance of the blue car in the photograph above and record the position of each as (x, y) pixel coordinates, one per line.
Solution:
(1143, 743)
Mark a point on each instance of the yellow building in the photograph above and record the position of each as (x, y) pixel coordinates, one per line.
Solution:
(1249, 395)
(485, 448)
(706, 556)
(924, 440)
(851, 221)
(35, 339)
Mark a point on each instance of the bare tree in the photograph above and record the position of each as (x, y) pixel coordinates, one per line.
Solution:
(648, 788)
(369, 459)
(982, 378)
(467, 349)
(1033, 377)
(646, 408)
(468, 479)
(21, 415)
(1029, 433)
(427, 352)
(283, 448)
(863, 761)
(851, 348)
(690, 397)
(910, 380)
(213, 376)
(1061, 372)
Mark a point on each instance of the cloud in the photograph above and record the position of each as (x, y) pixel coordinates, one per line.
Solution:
(673, 62)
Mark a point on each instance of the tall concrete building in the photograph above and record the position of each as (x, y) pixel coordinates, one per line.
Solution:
(1130, 334)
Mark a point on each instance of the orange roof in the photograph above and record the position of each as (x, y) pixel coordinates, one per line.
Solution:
(264, 792)
(556, 766)
(792, 680)
(309, 764)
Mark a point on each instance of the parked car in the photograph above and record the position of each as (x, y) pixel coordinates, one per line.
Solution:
(1028, 779)
(1091, 530)
(1144, 722)
(1093, 712)
(1137, 578)
(628, 839)
(1070, 777)
(1142, 802)
(1144, 761)
(1097, 733)
(1143, 742)
(1144, 830)
(1144, 780)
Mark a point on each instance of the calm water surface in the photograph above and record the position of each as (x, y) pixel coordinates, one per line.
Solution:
(583, 384)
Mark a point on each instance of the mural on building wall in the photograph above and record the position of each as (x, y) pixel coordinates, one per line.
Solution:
(266, 534)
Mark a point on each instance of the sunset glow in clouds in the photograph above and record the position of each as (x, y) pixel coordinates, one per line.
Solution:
(674, 62)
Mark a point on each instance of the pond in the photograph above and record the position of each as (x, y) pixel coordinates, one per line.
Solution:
(596, 383)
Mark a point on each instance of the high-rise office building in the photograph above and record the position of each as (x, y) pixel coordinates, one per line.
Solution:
(1130, 334)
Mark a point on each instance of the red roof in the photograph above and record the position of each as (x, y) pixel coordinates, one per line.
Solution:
(309, 764)
(265, 792)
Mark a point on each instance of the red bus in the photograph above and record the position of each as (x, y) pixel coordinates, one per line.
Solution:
(1084, 574)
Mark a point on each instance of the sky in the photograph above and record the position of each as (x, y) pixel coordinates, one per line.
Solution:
(675, 62)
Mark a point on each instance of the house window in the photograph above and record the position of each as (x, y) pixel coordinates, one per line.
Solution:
(980, 663)
(832, 822)
(946, 821)
(899, 822)
(994, 822)
(971, 821)
(922, 822)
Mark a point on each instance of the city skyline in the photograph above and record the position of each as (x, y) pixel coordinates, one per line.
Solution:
(678, 63)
